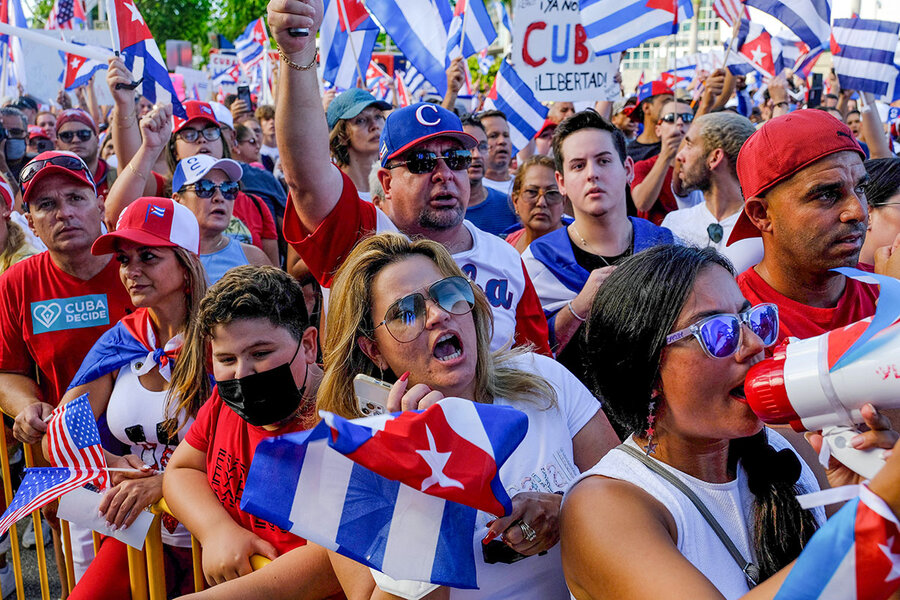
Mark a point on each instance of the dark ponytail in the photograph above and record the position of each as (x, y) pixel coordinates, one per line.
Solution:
(781, 528)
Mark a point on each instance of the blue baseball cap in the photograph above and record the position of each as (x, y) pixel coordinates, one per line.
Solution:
(417, 123)
(350, 103)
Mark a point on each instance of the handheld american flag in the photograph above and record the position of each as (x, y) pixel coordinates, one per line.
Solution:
(73, 440)
(41, 486)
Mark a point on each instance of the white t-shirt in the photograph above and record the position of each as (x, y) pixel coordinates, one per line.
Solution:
(504, 187)
(690, 225)
(270, 151)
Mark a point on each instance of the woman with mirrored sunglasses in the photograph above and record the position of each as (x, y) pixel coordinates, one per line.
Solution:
(402, 311)
(670, 341)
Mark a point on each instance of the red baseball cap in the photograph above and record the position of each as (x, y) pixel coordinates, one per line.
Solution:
(50, 162)
(153, 222)
(75, 114)
(782, 147)
(647, 91)
(7, 194)
(548, 124)
(195, 110)
(36, 132)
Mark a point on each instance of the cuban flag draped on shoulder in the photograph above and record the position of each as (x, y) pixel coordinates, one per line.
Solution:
(398, 493)
(854, 556)
(419, 29)
(347, 33)
(133, 38)
(515, 99)
(864, 53)
(810, 20)
(617, 25)
(78, 70)
(479, 33)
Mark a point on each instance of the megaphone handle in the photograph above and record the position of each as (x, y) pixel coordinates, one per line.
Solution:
(865, 462)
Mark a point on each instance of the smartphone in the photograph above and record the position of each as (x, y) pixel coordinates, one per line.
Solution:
(496, 551)
(815, 91)
(243, 93)
(371, 395)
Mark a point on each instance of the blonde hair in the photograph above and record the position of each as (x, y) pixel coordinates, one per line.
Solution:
(15, 239)
(185, 381)
(349, 317)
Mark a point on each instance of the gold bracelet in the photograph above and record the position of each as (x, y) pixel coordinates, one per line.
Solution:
(136, 172)
(125, 121)
(294, 65)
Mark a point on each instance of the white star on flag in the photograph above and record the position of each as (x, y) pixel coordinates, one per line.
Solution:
(758, 55)
(75, 62)
(135, 13)
(894, 558)
(437, 461)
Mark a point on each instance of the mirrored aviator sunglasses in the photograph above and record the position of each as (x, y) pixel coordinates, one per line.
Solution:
(424, 161)
(71, 163)
(405, 318)
(204, 188)
(720, 335)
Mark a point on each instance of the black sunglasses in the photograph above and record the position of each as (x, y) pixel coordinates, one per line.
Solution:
(204, 188)
(424, 161)
(71, 163)
(191, 135)
(83, 135)
(672, 117)
(715, 232)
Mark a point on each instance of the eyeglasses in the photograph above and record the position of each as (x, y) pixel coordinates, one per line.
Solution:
(720, 335)
(424, 161)
(83, 135)
(715, 232)
(204, 188)
(191, 135)
(71, 163)
(251, 141)
(552, 196)
(672, 117)
(405, 318)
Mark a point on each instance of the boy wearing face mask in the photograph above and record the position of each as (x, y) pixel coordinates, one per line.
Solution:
(263, 350)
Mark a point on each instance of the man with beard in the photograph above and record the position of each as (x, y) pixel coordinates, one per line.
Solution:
(488, 209)
(499, 155)
(424, 154)
(708, 159)
(803, 180)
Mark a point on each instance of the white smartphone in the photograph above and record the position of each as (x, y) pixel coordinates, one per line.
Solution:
(371, 394)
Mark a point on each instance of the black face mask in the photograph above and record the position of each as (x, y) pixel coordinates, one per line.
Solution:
(264, 398)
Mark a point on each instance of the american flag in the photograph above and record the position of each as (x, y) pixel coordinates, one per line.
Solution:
(41, 486)
(73, 439)
(730, 11)
(66, 14)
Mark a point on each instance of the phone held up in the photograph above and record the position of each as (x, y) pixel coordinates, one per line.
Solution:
(371, 395)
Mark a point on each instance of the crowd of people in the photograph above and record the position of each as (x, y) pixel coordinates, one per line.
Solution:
(615, 280)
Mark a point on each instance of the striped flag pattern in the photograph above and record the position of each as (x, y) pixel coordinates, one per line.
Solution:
(41, 486)
(479, 30)
(73, 439)
(866, 48)
(809, 19)
(730, 11)
(515, 99)
(251, 44)
(617, 25)
(339, 48)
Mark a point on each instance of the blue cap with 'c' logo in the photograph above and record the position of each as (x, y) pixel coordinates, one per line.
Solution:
(417, 123)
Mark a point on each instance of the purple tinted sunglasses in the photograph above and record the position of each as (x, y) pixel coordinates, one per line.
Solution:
(720, 335)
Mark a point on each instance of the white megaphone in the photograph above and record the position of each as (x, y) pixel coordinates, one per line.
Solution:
(815, 384)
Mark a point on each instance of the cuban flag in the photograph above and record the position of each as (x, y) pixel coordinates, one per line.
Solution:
(673, 80)
(810, 20)
(251, 45)
(796, 55)
(130, 339)
(133, 38)
(759, 48)
(415, 82)
(855, 555)
(485, 62)
(66, 14)
(347, 35)
(865, 55)
(617, 25)
(227, 76)
(730, 11)
(78, 70)
(503, 15)
(11, 47)
(420, 31)
(398, 493)
(404, 98)
(479, 33)
(515, 99)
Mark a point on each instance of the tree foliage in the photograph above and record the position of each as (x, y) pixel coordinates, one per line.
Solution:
(177, 19)
(230, 17)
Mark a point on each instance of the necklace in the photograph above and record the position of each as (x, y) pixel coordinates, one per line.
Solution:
(591, 249)
(219, 244)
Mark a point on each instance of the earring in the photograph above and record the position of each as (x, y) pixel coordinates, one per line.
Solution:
(650, 448)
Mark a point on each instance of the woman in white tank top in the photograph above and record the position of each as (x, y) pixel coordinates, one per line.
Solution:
(156, 244)
(670, 340)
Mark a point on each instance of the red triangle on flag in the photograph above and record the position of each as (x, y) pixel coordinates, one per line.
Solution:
(835, 48)
(354, 16)
(132, 27)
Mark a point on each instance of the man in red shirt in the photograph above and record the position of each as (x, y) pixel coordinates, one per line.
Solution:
(54, 306)
(803, 181)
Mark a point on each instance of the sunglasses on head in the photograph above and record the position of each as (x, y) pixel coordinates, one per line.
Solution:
(72, 163)
(83, 135)
(672, 117)
(204, 188)
(720, 335)
(191, 135)
(405, 318)
(424, 161)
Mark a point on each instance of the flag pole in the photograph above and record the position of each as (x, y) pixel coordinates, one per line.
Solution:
(112, 19)
(462, 37)
(87, 51)
(342, 13)
(734, 31)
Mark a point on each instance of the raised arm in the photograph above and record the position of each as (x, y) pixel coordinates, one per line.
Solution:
(125, 132)
(873, 128)
(315, 184)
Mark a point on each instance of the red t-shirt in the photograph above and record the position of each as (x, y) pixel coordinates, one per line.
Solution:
(257, 217)
(229, 443)
(802, 321)
(666, 202)
(50, 319)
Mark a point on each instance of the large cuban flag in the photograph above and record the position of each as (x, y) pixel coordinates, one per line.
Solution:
(397, 492)
(864, 54)
(810, 20)
(511, 95)
(479, 33)
(617, 25)
(347, 35)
